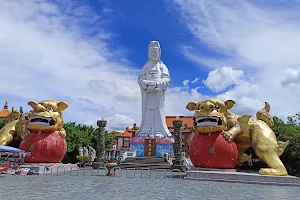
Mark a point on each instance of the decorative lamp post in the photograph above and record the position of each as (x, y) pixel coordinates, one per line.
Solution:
(100, 152)
(177, 146)
(100, 148)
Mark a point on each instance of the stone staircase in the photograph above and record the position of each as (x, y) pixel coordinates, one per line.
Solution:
(152, 163)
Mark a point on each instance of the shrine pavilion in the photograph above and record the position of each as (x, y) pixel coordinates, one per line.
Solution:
(4, 112)
(122, 139)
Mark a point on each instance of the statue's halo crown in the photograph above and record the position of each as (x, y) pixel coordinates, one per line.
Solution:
(154, 44)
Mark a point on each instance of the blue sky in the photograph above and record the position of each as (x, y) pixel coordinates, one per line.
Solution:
(90, 53)
(136, 23)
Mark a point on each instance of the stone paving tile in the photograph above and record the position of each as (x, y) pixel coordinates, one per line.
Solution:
(121, 188)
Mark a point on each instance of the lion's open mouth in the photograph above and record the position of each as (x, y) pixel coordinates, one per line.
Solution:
(39, 120)
(208, 121)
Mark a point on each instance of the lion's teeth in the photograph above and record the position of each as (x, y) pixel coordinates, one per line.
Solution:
(207, 124)
(39, 123)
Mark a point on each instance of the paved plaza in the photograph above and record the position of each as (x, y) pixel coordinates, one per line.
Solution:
(120, 188)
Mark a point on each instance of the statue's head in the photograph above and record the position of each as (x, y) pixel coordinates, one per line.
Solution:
(265, 116)
(46, 115)
(209, 114)
(14, 115)
(154, 51)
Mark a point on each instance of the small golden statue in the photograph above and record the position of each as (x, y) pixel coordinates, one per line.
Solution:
(8, 132)
(212, 115)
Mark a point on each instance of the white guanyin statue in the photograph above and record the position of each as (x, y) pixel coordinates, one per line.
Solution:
(80, 151)
(85, 151)
(92, 153)
(153, 81)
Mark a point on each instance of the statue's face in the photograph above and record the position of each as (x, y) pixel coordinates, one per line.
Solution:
(154, 54)
(209, 115)
(46, 115)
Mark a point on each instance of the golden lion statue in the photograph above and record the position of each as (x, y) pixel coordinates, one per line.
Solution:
(8, 132)
(45, 116)
(213, 115)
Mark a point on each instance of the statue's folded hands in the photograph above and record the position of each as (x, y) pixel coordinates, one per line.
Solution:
(151, 88)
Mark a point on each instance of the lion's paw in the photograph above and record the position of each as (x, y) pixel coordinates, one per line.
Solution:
(228, 135)
(274, 172)
(245, 158)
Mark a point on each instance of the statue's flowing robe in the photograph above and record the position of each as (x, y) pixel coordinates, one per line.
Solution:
(153, 117)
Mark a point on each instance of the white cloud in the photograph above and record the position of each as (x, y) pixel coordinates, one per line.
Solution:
(195, 80)
(46, 54)
(263, 41)
(292, 76)
(185, 82)
(177, 98)
(222, 78)
(115, 122)
(191, 53)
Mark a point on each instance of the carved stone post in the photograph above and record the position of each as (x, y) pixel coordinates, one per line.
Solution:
(177, 146)
(100, 150)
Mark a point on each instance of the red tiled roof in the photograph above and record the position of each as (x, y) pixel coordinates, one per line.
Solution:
(126, 133)
(188, 120)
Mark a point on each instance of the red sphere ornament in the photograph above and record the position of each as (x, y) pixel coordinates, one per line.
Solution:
(213, 151)
(44, 147)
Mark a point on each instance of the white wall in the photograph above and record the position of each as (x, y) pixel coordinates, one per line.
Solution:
(120, 142)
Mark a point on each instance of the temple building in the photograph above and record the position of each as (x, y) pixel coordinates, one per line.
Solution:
(4, 112)
(122, 139)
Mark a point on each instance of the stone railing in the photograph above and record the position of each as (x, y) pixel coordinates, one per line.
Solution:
(128, 173)
(168, 157)
(128, 154)
(187, 162)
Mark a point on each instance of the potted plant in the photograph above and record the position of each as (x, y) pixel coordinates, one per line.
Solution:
(82, 159)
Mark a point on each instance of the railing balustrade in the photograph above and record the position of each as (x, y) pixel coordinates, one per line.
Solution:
(130, 169)
(129, 172)
(145, 169)
(59, 168)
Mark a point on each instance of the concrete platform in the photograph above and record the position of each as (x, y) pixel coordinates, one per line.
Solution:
(212, 169)
(50, 168)
(152, 163)
(244, 177)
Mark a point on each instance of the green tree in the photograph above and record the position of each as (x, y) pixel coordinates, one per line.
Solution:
(1, 123)
(84, 135)
(289, 131)
(78, 135)
(110, 139)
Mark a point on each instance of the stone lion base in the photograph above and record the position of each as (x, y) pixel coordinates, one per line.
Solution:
(50, 168)
(235, 176)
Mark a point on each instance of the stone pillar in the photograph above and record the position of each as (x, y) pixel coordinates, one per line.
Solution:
(177, 146)
(100, 150)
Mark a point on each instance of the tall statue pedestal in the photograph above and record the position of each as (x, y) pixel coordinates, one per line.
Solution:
(151, 146)
(213, 151)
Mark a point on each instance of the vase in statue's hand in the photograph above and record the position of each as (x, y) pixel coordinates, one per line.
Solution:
(151, 88)
(144, 84)
(147, 83)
